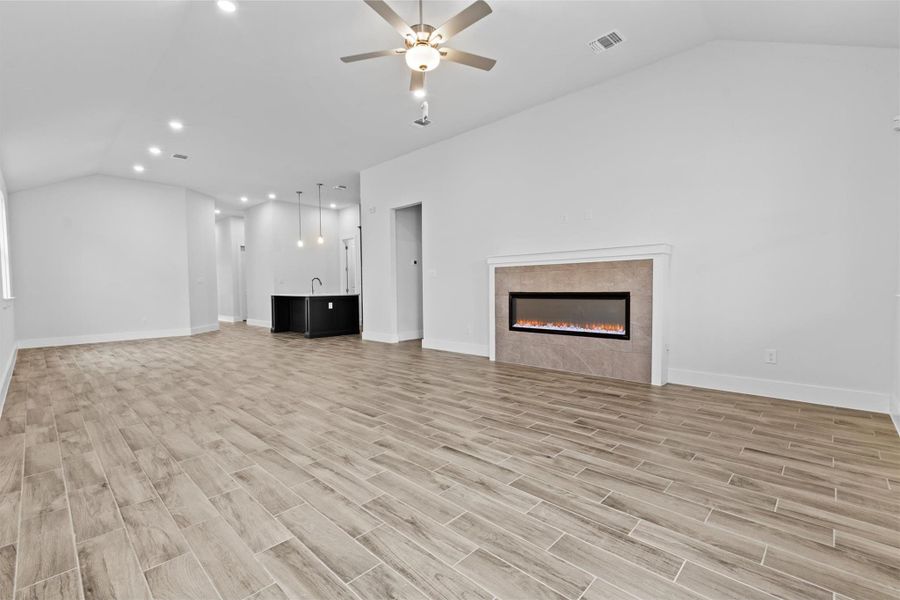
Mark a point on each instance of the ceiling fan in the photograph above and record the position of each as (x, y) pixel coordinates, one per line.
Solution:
(423, 43)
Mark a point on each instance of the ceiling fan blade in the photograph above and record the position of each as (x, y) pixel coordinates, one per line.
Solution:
(417, 81)
(470, 60)
(474, 13)
(368, 55)
(387, 13)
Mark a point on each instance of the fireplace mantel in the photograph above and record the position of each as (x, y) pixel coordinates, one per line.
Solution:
(658, 253)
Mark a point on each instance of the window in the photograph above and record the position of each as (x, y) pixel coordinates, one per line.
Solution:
(4, 251)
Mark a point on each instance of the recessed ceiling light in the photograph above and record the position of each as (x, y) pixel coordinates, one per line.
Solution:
(228, 6)
(154, 150)
(243, 198)
(176, 125)
(333, 205)
(217, 211)
(272, 196)
(138, 168)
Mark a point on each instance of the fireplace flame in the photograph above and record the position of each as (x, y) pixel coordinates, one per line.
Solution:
(613, 328)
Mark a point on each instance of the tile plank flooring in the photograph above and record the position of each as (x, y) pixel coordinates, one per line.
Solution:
(241, 465)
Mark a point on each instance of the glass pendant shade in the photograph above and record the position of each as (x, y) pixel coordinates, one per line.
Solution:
(422, 57)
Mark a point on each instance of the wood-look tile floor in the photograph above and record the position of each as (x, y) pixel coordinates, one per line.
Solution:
(238, 465)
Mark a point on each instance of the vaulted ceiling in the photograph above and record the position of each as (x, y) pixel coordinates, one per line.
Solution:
(87, 87)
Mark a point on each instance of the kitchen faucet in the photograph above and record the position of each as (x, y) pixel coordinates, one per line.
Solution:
(312, 285)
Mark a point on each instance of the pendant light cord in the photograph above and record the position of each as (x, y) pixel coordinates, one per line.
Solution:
(299, 216)
(320, 209)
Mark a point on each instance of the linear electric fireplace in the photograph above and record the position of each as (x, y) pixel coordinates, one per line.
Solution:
(595, 314)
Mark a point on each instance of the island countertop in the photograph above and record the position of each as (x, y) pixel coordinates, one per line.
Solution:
(320, 295)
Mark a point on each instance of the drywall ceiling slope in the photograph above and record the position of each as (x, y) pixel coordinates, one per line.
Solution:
(69, 71)
(268, 106)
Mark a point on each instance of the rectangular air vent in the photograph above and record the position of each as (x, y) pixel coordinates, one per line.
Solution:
(604, 43)
(180, 156)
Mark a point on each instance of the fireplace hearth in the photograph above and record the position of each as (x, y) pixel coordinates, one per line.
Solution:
(594, 314)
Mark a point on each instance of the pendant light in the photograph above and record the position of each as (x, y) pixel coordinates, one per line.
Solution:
(321, 239)
(299, 220)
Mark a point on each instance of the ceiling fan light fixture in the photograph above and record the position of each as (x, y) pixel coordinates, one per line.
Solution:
(420, 93)
(422, 57)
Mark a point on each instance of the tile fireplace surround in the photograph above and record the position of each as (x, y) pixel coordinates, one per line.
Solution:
(641, 270)
(620, 359)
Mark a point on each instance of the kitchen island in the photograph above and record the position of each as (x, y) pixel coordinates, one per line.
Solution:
(316, 315)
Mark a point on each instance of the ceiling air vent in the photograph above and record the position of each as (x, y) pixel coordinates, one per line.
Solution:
(604, 43)
(180, 156)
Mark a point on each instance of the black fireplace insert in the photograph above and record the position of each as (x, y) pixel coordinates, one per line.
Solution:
(595, 314)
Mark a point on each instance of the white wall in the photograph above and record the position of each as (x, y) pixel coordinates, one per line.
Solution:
(229, 239)
(895, 396)
(408, 270)
(275, 265)
(776, 185)
(202, 287)
(102, 258)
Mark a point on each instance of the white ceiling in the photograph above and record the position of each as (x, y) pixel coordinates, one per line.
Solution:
(268, 107)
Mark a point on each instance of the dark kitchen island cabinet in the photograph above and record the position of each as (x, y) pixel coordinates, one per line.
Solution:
(316, 316)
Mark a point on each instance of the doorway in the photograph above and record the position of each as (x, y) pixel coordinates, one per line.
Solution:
(349, 282)
(242, 284)
(408, 270)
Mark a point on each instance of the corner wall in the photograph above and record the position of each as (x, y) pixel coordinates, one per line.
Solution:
(776, 188)
(103, 258)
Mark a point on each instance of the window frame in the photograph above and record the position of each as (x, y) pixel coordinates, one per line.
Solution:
(5, 268)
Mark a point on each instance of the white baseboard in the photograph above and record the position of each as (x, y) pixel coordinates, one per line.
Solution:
(7, 377)
(785, 390)
(229, 319)
(375, 336)
(260, 323)
(895, 412)
(99, 338)
(458, 347)
(404, 336)
(205, 328)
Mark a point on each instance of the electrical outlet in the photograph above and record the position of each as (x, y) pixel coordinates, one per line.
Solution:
(771, 357)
